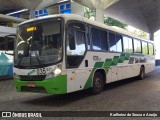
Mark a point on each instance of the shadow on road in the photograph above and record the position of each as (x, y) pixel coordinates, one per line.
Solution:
(58, 100)
(120, 83)
(62, 100)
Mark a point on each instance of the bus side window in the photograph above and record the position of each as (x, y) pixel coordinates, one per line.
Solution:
(71, 40)
(151, 49)
(76, 47)
(127, 44)
(99, 39)
(137, 46)
(144, 47)
(104, 41)
(112, 42)
(119, 43)
(2, 43)
(115, 42)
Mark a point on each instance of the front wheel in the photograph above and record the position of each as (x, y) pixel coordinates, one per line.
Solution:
(98, 83)
(142, 73)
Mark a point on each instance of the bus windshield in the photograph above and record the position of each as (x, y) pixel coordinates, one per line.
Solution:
(38, 44)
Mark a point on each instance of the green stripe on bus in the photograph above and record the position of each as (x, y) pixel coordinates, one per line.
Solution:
(127, 56)
(98, 64)
(115, 60)
(121, 59)
(106, 65)
(89, 81)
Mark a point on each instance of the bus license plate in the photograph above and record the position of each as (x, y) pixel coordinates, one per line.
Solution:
(31, 85)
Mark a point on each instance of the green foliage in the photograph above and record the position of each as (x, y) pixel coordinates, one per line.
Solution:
(88, 13)
(144, 49)
(137, 50)
(112, 22)
(128, 50)
(140, 33)
(151, 49)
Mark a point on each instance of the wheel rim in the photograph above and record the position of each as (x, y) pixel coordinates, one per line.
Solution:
(98, 83)
(142, 73)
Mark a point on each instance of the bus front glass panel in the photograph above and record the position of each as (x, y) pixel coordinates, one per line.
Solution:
(38, 43)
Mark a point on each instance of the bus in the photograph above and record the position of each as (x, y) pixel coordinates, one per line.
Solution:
(6, 58)
(61, 54)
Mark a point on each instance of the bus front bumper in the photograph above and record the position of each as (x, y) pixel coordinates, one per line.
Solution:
(57, 85)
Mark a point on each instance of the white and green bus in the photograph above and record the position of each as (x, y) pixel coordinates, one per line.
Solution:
(60, 54)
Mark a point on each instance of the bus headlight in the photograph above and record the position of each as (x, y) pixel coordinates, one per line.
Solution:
(16, 76)
(57, 71)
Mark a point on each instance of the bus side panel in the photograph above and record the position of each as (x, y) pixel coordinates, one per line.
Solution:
(118, 66)
(150, 64)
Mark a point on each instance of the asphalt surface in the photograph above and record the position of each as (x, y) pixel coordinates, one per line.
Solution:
(126, 95)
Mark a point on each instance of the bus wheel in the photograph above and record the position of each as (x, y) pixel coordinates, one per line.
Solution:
(98, 83)
(142, 73)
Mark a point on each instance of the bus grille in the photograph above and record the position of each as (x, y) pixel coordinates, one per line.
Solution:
(32, 78)
(33, 89)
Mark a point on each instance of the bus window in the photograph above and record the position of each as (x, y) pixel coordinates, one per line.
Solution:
(2, 43)
(88, 38)
(96, 43)
(115, 42)
(150, 48)
(119, 43)
(75, 56)
(137, 46)
(10, 44)
(112, 43)
(144, 48)
(104, 43)
(99, 39)
(79, 38)
(127, 44)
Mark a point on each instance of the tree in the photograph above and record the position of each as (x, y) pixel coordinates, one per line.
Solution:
(112, 22)
(90, 14)
(140, 33)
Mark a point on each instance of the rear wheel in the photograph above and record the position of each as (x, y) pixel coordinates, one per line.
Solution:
(142, 73)
(98, 83)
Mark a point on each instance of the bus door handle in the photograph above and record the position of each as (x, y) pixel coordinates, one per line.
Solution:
(86, 63)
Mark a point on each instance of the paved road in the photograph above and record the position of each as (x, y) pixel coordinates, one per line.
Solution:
(126, 95)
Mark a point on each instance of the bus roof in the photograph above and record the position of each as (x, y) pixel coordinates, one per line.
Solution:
(83, 19)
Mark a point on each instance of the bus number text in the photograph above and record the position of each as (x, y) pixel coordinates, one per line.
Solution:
(41, 71)
(96, 58)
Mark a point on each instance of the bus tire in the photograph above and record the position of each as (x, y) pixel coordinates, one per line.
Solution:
(142, 73)
(98, 83)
